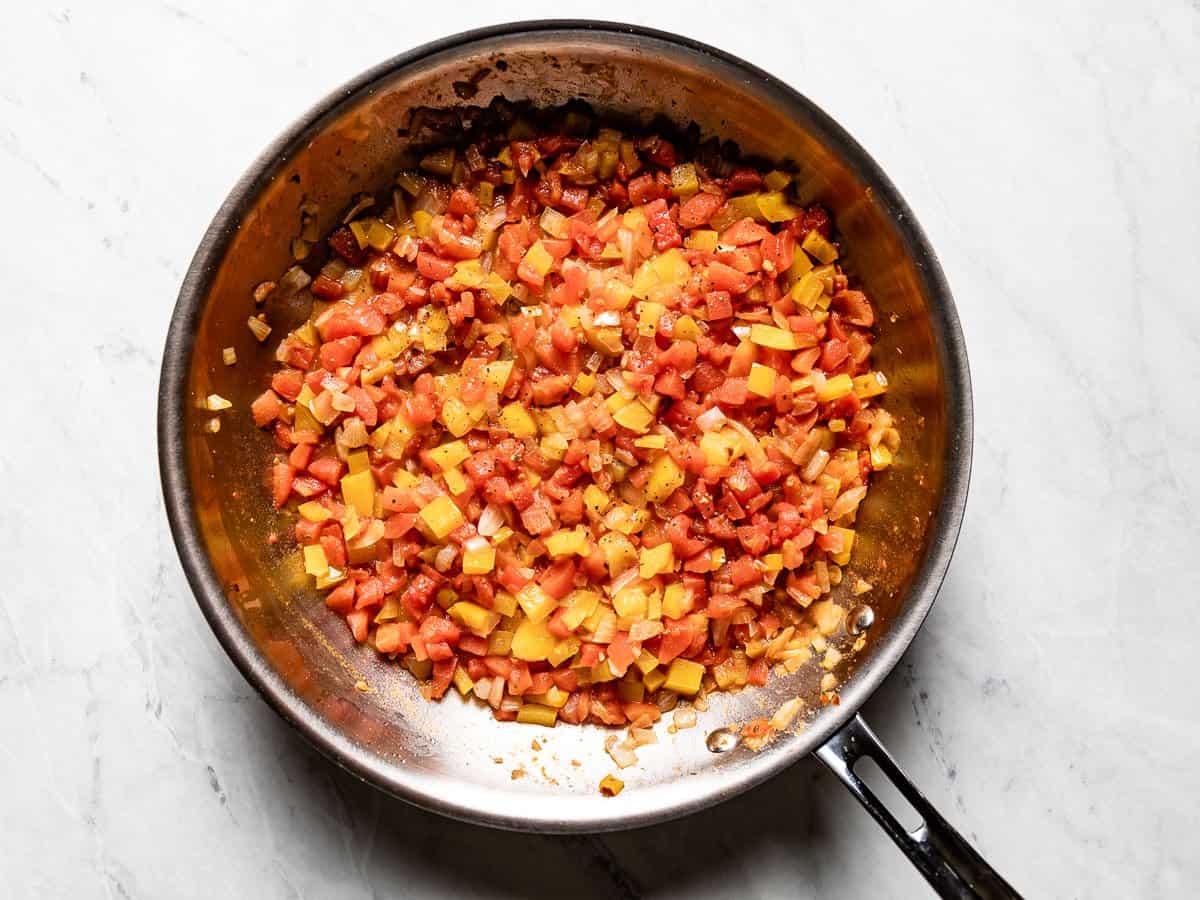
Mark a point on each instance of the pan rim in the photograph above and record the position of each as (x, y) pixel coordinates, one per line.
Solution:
(386, 775)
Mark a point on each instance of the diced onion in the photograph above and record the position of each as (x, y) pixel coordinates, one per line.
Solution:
(710, 419)
(445, 557)
(816, 465)
(641, 737)
(786, 714)
(847, 502)
(490, 521)
(622, 754)
(685, 717)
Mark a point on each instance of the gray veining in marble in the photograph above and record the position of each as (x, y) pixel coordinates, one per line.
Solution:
(1052, 151)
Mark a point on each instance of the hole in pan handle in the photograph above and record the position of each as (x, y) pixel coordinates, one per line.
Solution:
(948, 862)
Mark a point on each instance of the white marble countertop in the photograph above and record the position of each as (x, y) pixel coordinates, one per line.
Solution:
(1048, 707)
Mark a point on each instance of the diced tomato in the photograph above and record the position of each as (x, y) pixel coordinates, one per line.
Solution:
(558, 579)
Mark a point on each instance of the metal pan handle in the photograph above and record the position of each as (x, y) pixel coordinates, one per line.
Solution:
(948, 862)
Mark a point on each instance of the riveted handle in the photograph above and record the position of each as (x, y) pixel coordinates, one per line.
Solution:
(951, 866)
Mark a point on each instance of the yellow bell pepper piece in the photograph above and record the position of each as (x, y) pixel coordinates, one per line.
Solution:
(665, 478)
(497, 374)
(455, 482)
(358, 491)
(441, 516)
(870, 385)
(585, 383)
(677, 601)
(721, 448)
(563, 650)
(776, 180)
(630, 602)
(447, 456)
(314, 511)
(657, 560)
(818, 248)
(619, 552)
(807, 290)
(536, 602)
(761, 380)
(532, 641)
(775, 338)
(555, 698)
(881, 457)
(536, 714)
(611, 785)
(847, 544)
(649, 314)
(683, 677)
(704, 240)
(634, 416)
(497, 287)
(835, 388)
(595, 499)
(474, 618)
(538, 258)
(315, 562)
(480, 561)
(774, 207)
(654, 679)
(462, 681)
(567, 543)
(516, 419)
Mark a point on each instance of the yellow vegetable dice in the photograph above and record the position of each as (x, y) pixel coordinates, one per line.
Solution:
(775, 208)
(516, 420)
(651, 442)
(476, 619)
(775, 338)
(761, 380)
(538, 258)
(630, 602)
(532, 641)
(314, 511)
(704, 240)
(496, 374)
(677, 601)
(535, 714)
(611, 785)
(462, 681)
(665, 478)
(881, 457)
(816, 246)
(634, 416)
(835, 388)
(619, 552)
(447, 456)
(654, 679)
(315, 562)
(683, 677)
(479, 561)
(847, 544)
(536, 602)
(441, 516)
(657, 560)
(720, 448)
(358, 461)
(870, 385)
(773, 561)
(567, 543)
(358, 491)
(807, 290)
(595, 499)
(649, 314)
(585, 383)
(455, 482)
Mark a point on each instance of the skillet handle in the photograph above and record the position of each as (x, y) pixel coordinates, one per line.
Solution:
(948, 862)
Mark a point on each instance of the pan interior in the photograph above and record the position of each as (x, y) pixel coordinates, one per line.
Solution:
(452, 756)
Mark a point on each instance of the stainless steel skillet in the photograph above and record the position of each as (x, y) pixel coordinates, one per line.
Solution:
(452, 758)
